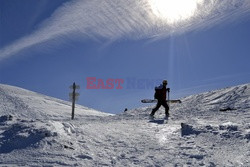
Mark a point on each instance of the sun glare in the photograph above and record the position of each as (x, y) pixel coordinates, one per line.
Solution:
(174, 10)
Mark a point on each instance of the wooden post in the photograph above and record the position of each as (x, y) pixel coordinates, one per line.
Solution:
(74, 97)
(73, 101)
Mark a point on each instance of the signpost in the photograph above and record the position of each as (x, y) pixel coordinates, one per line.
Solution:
(74, 96)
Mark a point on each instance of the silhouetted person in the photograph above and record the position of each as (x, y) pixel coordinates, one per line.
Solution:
(161, 95)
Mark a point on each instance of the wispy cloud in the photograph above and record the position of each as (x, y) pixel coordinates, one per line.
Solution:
(113, 19)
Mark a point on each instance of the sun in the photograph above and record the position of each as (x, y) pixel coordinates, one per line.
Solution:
(174, 10)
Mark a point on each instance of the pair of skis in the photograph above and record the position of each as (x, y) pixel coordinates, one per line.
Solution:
(155, 101)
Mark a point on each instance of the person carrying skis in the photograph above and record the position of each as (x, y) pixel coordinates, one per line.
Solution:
(160, 95)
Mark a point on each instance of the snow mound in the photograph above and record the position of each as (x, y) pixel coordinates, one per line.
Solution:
(226, 131)
(19, 134)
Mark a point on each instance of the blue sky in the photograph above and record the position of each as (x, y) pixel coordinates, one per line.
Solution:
(47, 45)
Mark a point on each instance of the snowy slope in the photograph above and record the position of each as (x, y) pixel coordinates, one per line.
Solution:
(29, 104)
(209, 129)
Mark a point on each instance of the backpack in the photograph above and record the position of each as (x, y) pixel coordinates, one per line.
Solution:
(157, 94)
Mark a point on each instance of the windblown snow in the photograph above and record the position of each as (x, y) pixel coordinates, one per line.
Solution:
(208, 129)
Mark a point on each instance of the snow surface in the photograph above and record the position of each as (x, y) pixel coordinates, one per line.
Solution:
(208, 129)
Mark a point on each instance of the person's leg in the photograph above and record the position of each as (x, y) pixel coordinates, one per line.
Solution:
(158, 105)
(166, 108)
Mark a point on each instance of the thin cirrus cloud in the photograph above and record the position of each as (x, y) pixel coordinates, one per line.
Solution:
(140, 19)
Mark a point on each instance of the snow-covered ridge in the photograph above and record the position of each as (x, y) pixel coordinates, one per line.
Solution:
(231, 98)
(24, 103)
(208, 129)
(234, 98)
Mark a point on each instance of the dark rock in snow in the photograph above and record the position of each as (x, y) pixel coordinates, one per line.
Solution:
(188, 130)
(5, 118)
(227, 109)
